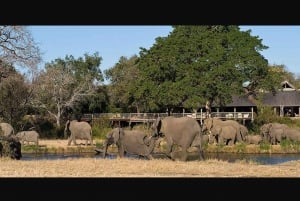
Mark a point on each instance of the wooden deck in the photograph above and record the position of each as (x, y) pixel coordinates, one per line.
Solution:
(147, 118)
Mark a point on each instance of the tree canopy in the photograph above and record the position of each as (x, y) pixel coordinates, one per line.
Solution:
(196, 64)
(65, 83)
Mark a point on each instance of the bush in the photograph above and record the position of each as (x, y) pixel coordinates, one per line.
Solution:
(100, 127)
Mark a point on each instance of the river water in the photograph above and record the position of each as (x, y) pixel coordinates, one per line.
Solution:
(267, 159)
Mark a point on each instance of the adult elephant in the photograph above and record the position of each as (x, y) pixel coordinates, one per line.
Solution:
(6, 129)
(209, 123)
(79, 130)
(273, 132)
(130, 141)
(292, 134)
(227, 134)
(180, 131)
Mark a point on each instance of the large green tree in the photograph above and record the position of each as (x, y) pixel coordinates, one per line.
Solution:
(196, 64)
(121, 79)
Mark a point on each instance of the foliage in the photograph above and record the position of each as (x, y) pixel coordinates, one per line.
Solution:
(100, 127)
(122, 78)
(265, 114)
(14, 96)
(66, 83)
(241, 147)
(265, 146)
(194, 64)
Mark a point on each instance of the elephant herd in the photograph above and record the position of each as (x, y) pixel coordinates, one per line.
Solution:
(275, 132)
(229, 132)
(10, 142)
(184, 132)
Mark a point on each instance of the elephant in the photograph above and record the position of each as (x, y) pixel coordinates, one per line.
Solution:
(227, 133)
(204, 140)
(10, 147)
(253, 139)
(6, 129)
(244, 131)
(79, 130)
(273, 132)
(292, 135)
(28, 136)
(130, 141)
(179, 131)
(209, 123)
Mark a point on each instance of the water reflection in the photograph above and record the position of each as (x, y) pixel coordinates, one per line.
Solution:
(268, 159)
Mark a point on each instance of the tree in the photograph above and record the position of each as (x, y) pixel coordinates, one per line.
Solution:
(65, 83)
(18, 47)
(15, 95)
(196, 64)
(121, 79)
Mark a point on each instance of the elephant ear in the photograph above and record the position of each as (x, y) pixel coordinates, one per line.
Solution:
(146, 140)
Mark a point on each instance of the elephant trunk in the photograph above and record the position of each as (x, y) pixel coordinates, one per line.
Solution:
(105, 149)
(151, 145)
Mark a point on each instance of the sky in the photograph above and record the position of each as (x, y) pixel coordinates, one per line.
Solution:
(112, 42)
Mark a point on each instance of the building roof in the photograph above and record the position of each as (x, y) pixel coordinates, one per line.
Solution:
(240, 101)
(286, 86)
(285, 98)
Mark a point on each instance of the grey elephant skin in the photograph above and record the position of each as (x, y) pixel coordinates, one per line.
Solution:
(273, 132)
(180, 131)
(253, 139)
(79, 130)
(292, 134)
(224, 134)
(209, 123)
(28, 136)
(130, 141)
(6, 129)
(10, 147)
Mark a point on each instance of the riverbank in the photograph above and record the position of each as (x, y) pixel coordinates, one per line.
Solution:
(134, 167)
(61, 146)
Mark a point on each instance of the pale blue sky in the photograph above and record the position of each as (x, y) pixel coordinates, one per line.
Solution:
(112, 42)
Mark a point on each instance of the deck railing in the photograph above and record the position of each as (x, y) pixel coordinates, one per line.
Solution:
(140, 117)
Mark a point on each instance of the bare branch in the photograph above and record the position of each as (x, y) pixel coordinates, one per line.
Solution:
(17, 46)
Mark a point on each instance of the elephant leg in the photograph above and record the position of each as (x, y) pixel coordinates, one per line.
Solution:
(220, 140)
(184, 154)
(169, 147)
(74, 140)
(150, 157)
(121, 151)
(69, 141)
(169, 150)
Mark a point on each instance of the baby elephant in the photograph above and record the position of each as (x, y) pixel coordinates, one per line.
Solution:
(253, 139)
(28, 136)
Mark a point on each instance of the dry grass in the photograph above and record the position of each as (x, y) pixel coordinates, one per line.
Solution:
(88, 167)
(98, 167)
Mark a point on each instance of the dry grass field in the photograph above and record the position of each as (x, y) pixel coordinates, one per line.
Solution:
(126, 167)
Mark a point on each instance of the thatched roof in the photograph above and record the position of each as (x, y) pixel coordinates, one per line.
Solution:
(240, 101)
(284, 98)
(280, 98)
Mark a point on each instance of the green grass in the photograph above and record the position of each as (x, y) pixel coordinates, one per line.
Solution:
(265, 146)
